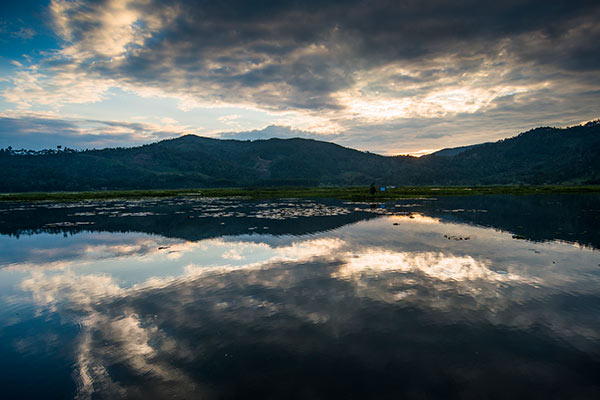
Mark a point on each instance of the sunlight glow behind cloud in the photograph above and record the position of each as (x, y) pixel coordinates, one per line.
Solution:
(379, 76)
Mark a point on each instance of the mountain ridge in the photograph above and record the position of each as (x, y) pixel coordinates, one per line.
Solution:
(538, 156)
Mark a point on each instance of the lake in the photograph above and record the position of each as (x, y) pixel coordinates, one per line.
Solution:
(455, 297)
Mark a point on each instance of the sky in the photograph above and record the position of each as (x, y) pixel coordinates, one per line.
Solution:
(389, 77)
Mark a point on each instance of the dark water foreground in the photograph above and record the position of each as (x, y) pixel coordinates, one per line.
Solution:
(472, 297)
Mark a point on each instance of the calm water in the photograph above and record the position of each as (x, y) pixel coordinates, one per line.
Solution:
(470, 297)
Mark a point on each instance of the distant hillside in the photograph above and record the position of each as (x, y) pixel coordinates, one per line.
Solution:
(538, 156)
(192, 161)
(452, 151)
(542, 155)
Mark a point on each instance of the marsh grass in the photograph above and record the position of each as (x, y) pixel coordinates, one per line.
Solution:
(342, 193)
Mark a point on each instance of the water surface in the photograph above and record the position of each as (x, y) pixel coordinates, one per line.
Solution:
(466, 297)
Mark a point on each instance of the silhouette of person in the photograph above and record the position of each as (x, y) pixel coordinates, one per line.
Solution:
(372, 189)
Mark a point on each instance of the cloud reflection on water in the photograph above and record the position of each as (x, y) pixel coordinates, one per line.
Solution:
(189, 302)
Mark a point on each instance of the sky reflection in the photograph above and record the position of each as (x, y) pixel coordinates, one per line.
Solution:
(158, 316)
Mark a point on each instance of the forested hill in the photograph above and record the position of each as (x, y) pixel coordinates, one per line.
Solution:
(192, 161)
(542, 155)
(538, 156)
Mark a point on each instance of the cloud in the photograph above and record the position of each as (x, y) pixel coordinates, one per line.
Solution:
(24, 33)
(297, 55)
(42, 131)
(437, 265)
(343, 66)
(274, 131)
(63, 85)
(312, 291)
(15, 29)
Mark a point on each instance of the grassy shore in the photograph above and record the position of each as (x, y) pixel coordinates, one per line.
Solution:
(342, 193)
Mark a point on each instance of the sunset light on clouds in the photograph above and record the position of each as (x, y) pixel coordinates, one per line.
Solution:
(381, 76)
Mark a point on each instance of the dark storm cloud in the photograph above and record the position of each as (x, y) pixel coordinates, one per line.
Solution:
(294, 55)
(386, 76)
(389, 29)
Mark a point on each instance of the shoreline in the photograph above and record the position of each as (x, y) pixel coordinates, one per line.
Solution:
(341, 193)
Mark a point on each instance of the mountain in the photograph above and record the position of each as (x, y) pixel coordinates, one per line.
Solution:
(452, 151)
(539, 156)
(192, 161)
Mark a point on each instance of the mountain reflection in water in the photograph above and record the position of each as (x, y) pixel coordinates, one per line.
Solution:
(226, 298)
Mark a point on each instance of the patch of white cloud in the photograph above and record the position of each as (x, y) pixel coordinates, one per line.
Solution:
(114, 27)
(491, 86)
(436, 265)
(399, 91)
(31, 86)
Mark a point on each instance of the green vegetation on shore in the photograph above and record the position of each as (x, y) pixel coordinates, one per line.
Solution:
(342, 193)
(543, 156)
